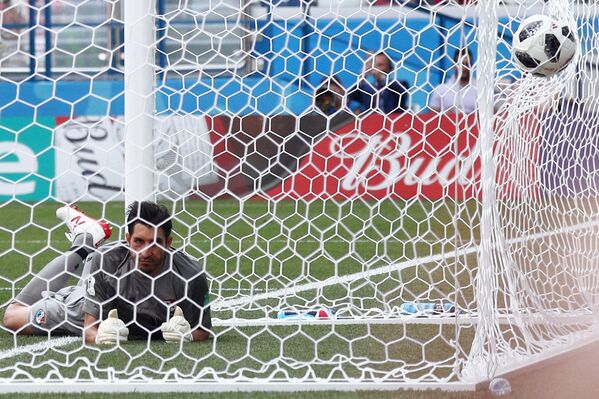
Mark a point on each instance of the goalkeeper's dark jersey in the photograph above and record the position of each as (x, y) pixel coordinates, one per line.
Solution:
(143, 302)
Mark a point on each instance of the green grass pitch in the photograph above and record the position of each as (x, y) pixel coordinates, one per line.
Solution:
(254, 248)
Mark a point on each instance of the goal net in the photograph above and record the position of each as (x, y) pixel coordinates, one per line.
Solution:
(378, 196)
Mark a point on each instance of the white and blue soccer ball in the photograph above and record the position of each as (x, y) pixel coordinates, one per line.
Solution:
(543, 45)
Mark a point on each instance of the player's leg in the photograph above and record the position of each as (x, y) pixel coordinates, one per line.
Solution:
(51, 278)
(86, 234)
(16, 318)
(56, 273)
(59, 313)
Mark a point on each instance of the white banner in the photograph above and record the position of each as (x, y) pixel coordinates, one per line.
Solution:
(90, 157)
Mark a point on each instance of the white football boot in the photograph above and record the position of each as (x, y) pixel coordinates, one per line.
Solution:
(78, 223)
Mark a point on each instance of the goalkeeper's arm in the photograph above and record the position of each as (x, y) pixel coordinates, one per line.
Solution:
(178, 328)
(110, 331)
(200, 334)
(90, 328)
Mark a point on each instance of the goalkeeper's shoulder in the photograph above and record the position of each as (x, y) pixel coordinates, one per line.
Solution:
(111, 255)
(186, 265)
(114, 248)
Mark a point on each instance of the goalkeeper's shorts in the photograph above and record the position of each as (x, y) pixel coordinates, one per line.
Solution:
(60, 313)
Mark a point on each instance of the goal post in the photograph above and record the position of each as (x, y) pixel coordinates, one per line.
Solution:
(379, 198)
(139, 77)
(479, 363)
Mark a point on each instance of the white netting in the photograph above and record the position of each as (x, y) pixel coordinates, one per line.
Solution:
(376, 193)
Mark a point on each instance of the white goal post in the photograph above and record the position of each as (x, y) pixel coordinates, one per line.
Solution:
(378, 197)
(139, 99)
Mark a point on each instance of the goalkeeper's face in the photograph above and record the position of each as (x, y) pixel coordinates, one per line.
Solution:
(148, 248)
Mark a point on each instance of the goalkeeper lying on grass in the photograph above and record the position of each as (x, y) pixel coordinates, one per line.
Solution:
(139, 287)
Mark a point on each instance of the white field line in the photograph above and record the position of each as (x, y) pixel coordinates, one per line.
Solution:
(38, 347)
(290, 291)
(222, 304)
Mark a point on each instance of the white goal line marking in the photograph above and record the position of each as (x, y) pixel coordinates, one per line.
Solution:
(38, 347)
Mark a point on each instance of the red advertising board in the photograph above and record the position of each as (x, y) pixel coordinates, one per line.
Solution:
(374, 157)
(425, 155)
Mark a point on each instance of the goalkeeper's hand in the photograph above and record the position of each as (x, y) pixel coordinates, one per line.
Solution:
(177, 328)
(112, 330)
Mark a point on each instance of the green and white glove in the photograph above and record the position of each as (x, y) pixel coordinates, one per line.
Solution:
(112, 330)
(177, 328)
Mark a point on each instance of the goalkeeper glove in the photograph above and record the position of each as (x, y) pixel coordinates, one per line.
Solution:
(177, 328)
(112, 330)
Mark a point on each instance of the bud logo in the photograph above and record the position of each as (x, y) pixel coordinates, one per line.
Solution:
(410, 156)
(379, 162)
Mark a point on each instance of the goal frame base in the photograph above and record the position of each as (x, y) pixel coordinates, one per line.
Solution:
(42, 386)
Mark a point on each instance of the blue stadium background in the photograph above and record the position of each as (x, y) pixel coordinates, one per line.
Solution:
(296, 55)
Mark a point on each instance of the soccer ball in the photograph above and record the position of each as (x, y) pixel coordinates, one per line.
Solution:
(543, 45)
